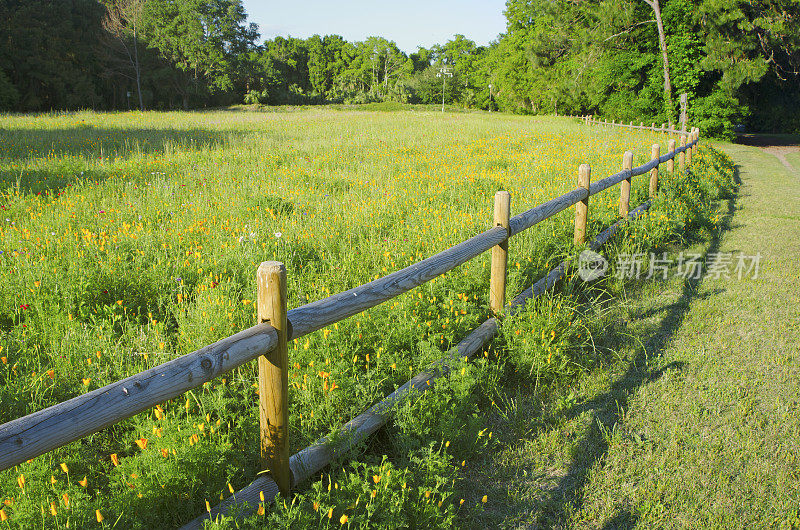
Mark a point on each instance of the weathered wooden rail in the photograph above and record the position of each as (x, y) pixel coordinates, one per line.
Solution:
(35, 434)
(306, 463)
(612, 123)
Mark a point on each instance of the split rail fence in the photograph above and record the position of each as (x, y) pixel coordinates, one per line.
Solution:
(35, 434)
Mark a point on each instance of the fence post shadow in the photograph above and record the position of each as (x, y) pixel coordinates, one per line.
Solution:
(566, 496)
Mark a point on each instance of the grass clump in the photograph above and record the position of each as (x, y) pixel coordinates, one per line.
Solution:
(416, 493)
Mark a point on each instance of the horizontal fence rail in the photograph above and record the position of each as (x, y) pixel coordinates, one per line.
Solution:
(536, 215)
(37, 433)
(50, 428)
(309, 461)
(316, 315)
(663, 129)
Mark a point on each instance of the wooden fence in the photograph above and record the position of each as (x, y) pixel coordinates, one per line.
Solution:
(35, 434)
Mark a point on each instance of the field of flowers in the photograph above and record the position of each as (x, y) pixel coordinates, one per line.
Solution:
(129, 239)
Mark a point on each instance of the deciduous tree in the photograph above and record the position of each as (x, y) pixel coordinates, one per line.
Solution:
(121, 23)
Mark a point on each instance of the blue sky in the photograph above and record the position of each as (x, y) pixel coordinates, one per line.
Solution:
(407, 22)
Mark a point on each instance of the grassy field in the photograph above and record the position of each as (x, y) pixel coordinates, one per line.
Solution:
(710, 441)
(794, 159)
(129, 239)
(695, 425)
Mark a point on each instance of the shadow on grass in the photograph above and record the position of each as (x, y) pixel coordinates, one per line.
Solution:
(768, 140)
(547, 495)
(71, 154)
(92, 142)
(622, 519)
(566, 497)
(45, 181)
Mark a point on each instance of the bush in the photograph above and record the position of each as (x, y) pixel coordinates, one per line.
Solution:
(385, 106)
(716, 114)
(254, 97)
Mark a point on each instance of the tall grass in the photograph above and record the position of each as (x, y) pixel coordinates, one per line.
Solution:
(129, 239)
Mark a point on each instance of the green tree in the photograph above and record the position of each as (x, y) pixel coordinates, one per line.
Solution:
(328, 58)
(202, 39)
(662, 40)
(460, 54)
(421, 59)
(8, 93)
(121, 23)
(48, 53)
(625, 58)
(290, 57)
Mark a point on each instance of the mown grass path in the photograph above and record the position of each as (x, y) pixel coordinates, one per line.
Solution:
(713, 440)
(695, 420)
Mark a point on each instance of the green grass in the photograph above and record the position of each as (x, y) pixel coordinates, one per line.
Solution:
(729, 445)
(794, 159)
(379, 106)
(561, 350)
(695, 425)
(129, 239)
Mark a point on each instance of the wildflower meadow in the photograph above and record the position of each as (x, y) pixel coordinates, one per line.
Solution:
(129, 239)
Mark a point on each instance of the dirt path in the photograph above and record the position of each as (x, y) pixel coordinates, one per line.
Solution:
(780, 153)
(782, 146)
(714, 440)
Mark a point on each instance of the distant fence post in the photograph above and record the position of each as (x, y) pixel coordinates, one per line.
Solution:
(655, 153)
(671, 162)
(682, 156)
(273, 375)
(690, 150)
(582, 208)
(625, 185)
(497, 284)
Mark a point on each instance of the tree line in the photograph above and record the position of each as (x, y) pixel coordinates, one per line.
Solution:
(737, 60)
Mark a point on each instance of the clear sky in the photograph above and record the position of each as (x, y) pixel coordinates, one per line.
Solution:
(410, 23)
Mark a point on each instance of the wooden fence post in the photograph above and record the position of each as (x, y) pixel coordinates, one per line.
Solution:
(625, 185)
(663, 127)
(671, 162)
(582, 208)
(682, 156)
(655, 153)
(690, 150)
(273, 375)
(497, 284)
